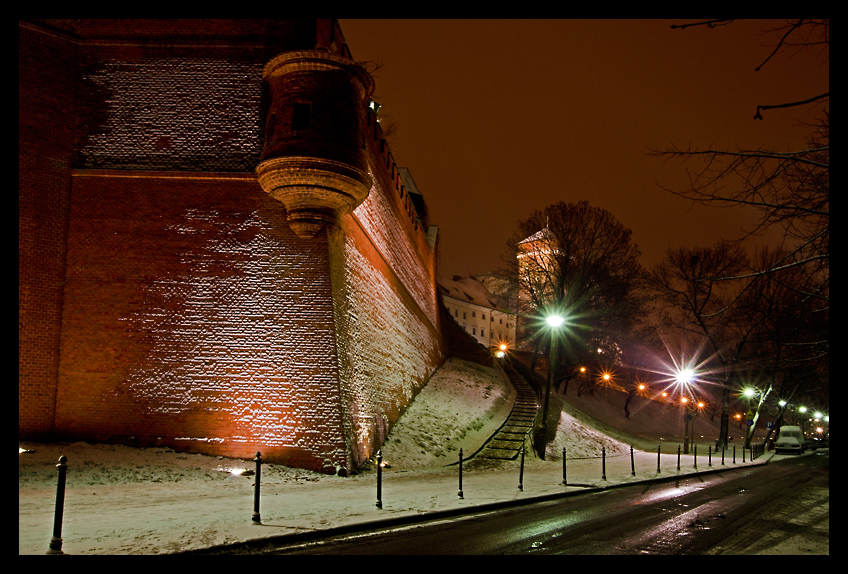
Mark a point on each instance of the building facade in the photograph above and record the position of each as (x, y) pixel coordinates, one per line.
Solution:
(216, 249)
(472, 306)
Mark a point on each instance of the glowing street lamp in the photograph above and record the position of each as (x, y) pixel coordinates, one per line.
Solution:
(554, 321)
(684, 376)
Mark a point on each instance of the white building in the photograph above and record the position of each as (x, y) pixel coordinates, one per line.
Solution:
(475, 309)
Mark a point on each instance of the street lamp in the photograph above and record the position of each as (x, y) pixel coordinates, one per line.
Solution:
(554, 322)
(684, 378)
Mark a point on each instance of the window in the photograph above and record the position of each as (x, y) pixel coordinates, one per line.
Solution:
(473, 330)
(456, 312)
(463, 315)
(484, 316)
(473, 313)
(482, 332)
(302, 116)
(501, 321)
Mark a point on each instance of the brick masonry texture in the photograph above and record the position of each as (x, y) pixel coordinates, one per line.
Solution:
(164, 299)
(195, 318)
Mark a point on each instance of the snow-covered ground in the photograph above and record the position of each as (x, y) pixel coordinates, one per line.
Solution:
(125, 500)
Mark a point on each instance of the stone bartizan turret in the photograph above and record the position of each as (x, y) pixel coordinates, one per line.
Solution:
(314, 159)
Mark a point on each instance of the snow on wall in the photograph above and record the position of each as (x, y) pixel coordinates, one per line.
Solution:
(192, 312)
(194, 317)
(387, 348)
(172, 113)
(389, 235)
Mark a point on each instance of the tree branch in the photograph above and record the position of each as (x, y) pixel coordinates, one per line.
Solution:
(758, 116)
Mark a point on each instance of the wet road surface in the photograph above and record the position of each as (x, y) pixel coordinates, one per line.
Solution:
(733, 512)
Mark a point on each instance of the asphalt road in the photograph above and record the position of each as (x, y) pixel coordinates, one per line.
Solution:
(778, 508)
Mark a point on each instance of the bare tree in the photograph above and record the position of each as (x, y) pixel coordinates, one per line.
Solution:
(697, 302)
(580, 262)
(790, 349)
(791, 189)
(763, 330)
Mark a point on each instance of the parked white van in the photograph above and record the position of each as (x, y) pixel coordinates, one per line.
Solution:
(790, 439)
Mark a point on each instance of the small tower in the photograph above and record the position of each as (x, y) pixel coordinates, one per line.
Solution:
(314, 156)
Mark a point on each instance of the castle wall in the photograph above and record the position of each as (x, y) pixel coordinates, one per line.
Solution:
(194, 318)
(191, 315)
(388, 330)
(46, 133)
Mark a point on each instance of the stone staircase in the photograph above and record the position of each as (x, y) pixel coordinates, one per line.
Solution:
(506, 443)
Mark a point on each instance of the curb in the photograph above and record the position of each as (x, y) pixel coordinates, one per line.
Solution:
(296, 537)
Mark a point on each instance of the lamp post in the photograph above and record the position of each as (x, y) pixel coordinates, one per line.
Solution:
(554, 321)
(684, 379)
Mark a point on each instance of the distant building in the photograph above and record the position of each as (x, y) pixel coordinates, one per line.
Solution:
(477, 311)
(537, 265)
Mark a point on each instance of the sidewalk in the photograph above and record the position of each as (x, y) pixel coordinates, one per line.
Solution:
(187, 506)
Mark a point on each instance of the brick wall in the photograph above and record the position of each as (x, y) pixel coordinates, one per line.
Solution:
(179, 308)
(46, 76)
(192, 313)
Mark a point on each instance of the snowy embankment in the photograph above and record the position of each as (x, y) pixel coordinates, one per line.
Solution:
(461, 406)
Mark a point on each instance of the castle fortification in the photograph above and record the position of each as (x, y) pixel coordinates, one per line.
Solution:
(216, 250)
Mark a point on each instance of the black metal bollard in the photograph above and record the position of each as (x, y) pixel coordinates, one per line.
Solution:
(632, 465)
(256, 518)
(695, 450)
(709, 455)
(658, 459)
(678, 458)
(743, 453)
(722, 455)
(521, 474)
(56, 540)
(603, 463)
(460, 474)
(379, 479)
(734, 454)
(564, 481)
